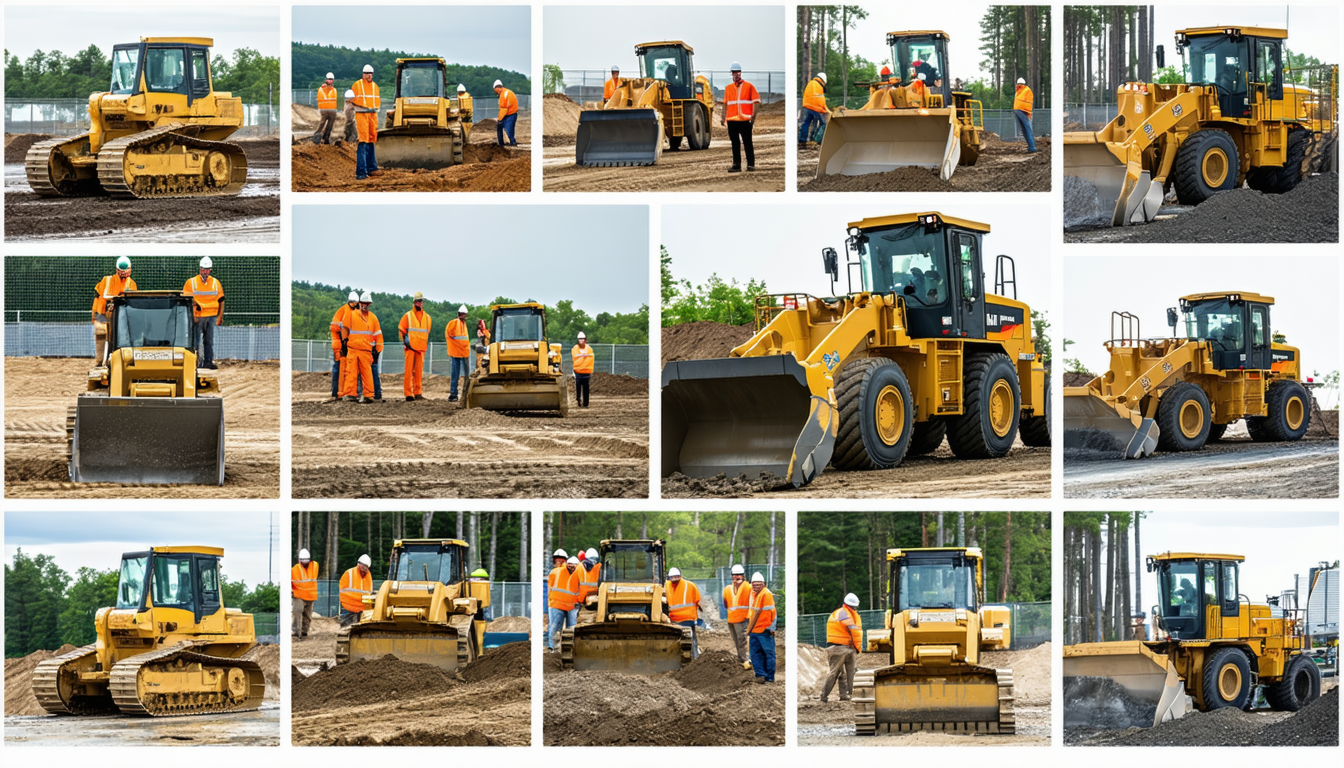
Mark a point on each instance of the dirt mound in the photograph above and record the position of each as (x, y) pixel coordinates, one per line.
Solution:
(1100, 702)
(1082, 206)
(1316, 725)
(17, 145)
(506, 661)
(1031, 671)
(559, 116)
(484, 131)
(703, 340)
(1072, 379)
(19, 698)
(1001, 167)
(510, 624)
(619, 384)
(1324, 424)
(368, 681)
(268, 656)
(486, 168)
(472, 738)
(680, 486)
(715, 672)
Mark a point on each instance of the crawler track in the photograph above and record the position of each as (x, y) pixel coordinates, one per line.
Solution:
(865, 715)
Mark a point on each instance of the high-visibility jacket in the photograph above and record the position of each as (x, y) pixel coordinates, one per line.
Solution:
(110, 287)
(582, 357)
(588, 579)
(363, 333)
(740, 101)
(611, 85)
(844, 627)
(737, 601)
(338, 323)
(206, 295)
(303, 581)
(814, 97)
(354, 587)
(508, 103)
(456, 336)
(683, 600)
(414, 328)
(326, 97)
(1022, 100)
(366, 95)
(765, 602)
(563, 588)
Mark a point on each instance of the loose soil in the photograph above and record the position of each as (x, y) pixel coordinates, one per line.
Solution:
(39, 390)
(486, 167)
(1003, 166)
(436, 449)
(703, 340)
(19, 698)
(1072, 379)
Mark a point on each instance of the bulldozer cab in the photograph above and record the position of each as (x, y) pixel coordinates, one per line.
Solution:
(518, 322)
(1195, 592)
(632, 562)
(936, 579)
(925, 53)
(436, 560)
(1237, 60)
(162, 65)
(1235, 325)
(421, 79)
(182, 578)
(672, 62)
(142, 319)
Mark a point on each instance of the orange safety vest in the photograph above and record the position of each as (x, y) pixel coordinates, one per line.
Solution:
(326, 97)
(765, 601)
(563, 592)
(366, 94)
(353, 589)
(508, 103)
(1022, 100)
(740, 101)
(456, 336)
(207, 295)
(588, 579)
(737, 602)
(415, 329)
(683, 600)
(844, 627)
(610, 87)
(110, 287)
(582, 357)
(364, 333)
(814, 96)
(303, 582)
(338, 323)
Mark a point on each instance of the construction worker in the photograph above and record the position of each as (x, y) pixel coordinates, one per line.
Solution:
(414, 332)
(923, 67)
(326, 110)
(207, 308)
(338, 322)
(590, 572)
(739, 115)
(109, 287)
(917, 92)
(355, 584)
(761, 632)
(303, 593)
(683, 605)
(1022, 102)
(482, 576)
(582, 358)
(557, 561)
(508, 115)
(364, 345)
(367, 102)
(736, 607)
(815, 111)
(464, 106)
(351, 133)
(844, 643)
(459, 351)
(562, 600)
(611, 85)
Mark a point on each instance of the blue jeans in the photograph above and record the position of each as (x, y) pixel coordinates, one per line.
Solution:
(366, 161)
(695, 637)
(335, 375)
(457, 371)
(811, 122)
(506, 126)
(205, 341)
(557, 620)
(1024, 124)
(763, 655)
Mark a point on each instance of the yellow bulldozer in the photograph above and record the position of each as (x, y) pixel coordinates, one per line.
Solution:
(1234, 121)
(667, 99)
(517, 369)
(908, 121)
(150, 414)
(934, 634)
(1215, 646)
(922, 352)
(168, 647)
(1178, 393)
(625, 626)
(428, 611)
(158, 131)
(426, 127)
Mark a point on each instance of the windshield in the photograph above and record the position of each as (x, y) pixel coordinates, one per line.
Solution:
(154, 323)
(523, 324)
(421, 80)
(170, 585)
(944, 582)
(1218, 322)
(1217, 59)
(907, 256)
(632, 563)
(165, 69)
(428, 562)
(131, 585)
(915, 55)
(1178, 583)
(124, 62)
(664, 63)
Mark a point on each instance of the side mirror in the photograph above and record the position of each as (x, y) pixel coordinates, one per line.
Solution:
(831, 262)
(1171, 319)
(909, 290)
(1161, 57)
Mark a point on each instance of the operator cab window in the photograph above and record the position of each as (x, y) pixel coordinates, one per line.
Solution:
(897, 259)
(165, 70)
(125, 65)
(1258, 327)
(966, 255)
(1267, 70)
(200, 73)
(131, 584)
(209, 579)
(518, 325)
(170, 585)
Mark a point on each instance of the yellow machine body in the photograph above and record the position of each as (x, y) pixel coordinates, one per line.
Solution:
(426, 127)
(996, 627)
(517, 369)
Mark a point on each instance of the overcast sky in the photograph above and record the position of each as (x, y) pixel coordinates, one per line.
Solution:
(71, 29)
(482, 35)
(97, 539)
(597, 255)
(1312, 29)
(595, 37)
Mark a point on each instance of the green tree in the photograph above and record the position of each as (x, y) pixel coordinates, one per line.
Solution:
(92, 589)
(552, 79)
(34, 599)
(716, 300)
(265, 598)
(309, 65)
(1039, 327)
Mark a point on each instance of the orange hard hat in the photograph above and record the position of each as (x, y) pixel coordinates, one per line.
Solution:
(886, 70)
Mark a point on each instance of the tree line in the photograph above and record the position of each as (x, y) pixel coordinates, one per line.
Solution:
(53, 75)
(1101, 589)
(845, 552)
(309, 65)
(715, 299)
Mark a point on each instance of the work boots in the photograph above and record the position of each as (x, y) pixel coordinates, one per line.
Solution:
(365, 400)
(419, 397)
(410, 398)
(734, 169)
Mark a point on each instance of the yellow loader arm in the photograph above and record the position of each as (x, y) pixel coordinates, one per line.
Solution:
(1111, 404)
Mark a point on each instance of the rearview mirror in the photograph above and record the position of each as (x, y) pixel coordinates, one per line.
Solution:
(1171, 319)
(831, 262)
(1161, 57)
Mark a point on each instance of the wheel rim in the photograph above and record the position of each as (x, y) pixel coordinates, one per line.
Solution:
(1192, 418)
(1001, 408)
(1229, 682)
(1295, 412)
(890, 414)
(1214, 167)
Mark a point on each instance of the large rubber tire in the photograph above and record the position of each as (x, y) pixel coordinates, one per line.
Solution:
(1277, 180)
(1184, 417)
(1035, 430)
(1289, 415)
(698, 135)
(877, 415)
(928, 436)
(1203, 153)
(987, 426)
(1216, 432)
(1227, 679)
(1299, 686)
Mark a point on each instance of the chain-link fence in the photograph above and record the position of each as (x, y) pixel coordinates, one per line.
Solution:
(1088, 117)
(68, 117)
(507, 598)
(585, 85)
(315, 357)
(267, 627)
(1030, 625)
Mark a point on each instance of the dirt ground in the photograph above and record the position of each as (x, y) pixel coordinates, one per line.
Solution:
(435, 449)
(833, 723)
(677, 171)
(253, 216)
(1003, 166)
(39, 390)
(711, 702)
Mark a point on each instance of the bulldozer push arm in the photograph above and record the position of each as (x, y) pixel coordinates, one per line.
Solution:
(1113, 403)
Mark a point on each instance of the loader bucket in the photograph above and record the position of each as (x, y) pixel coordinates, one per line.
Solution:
(1132, 199)
(515, 395)
(635, 648)
(399, 148)
(1090, 422)
(148, 440)
(619, 137)
(880, 140)
(1144, 673)
(911, 697)
(437, 646)
(745, 415)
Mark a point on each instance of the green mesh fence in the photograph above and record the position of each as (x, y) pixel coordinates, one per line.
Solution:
(1030, 625)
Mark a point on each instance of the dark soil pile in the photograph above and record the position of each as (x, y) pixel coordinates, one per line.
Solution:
(619, 384)
(681, 486)
(507, 661)
(485, 168)
(1316, 725)
(715, 672)
(18, 144)
(703, 340)
(1082, 206)
(1003, 166)
(1100, 702)
(368, 682)
(472, 738)
(1072, 379)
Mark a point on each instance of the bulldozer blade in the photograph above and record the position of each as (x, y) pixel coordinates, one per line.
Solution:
(1144, 673)
(925, 698)
(517, 395)
(745, 415)
(1130, 193)
(880, 140)
(1171, 693)
(1091, 423)
(422, 645)
(639, 649)
(431, 151)
(148, 440)
(618, 137)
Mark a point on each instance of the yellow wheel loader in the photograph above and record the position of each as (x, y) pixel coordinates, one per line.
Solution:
(168, 647)
(1216, 646)
(920, 353)
(150, 415)
(1179, 393)
(426, 128)
(625, 626)
(907, 121)
(1234, 121)
(516, 368)
(665, 100)
(935, 631)
(158, 131)
(427, 611)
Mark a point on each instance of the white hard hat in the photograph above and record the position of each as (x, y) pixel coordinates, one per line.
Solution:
(349, 93)
(354, 296)
(365, 298)
(615, 67)
(461, 88)
(330, 76)
(590, 554)
(365, 561)
(821, 76)
(1020, 81)
(368, 69)
(582, 335)
(755, 577)
(738, 570)
(735, 67)
(572, 561)
(124, 262)
(303, 555)
(560, 553)
(922, 78)
(206, 263)
(852, 600)
(497, 84)
(673, 572)
(462, 310)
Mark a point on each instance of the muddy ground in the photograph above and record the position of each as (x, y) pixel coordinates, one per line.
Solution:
(1003, 166)
(436, 449)
(832, 723)
(39, 390)
(677, 171)
(253, 216)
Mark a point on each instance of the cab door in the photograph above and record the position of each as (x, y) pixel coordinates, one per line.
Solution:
(1258, 340)
(970, 300)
